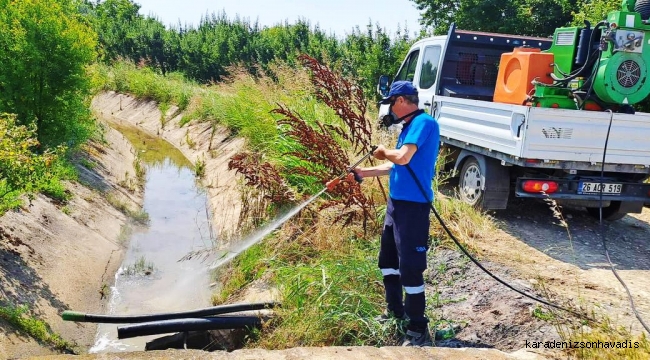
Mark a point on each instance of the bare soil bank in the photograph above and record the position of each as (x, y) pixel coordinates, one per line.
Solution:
(56, 257)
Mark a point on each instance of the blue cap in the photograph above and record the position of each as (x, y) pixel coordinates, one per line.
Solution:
(399, 88)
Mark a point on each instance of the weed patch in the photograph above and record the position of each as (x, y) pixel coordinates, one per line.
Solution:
(140, 267)
(143, 83)
(19, 317)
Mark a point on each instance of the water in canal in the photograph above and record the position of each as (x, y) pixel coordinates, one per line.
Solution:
(151, 278)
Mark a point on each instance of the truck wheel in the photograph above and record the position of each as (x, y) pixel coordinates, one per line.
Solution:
(610, 213)
(470, 183)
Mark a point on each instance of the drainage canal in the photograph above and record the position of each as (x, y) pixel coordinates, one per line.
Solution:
(151, 278)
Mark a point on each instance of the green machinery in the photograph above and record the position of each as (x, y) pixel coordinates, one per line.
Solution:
(604, 67)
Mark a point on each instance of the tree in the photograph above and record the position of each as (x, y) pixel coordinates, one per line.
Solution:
(114, 21)
(371, 53)
(21, 170)
(45, 46)
(594, 11)
(521, 17)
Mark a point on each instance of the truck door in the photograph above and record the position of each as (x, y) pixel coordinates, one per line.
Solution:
(406, 72)
(426, 82)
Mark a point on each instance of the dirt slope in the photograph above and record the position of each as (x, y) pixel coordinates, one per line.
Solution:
(55, 257)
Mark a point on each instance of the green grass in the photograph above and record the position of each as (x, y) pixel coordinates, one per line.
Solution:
(330, 286)
(539, 313)
(199, 168)
(125, 233)
(140, 267)
(144, 83)
(19, 317)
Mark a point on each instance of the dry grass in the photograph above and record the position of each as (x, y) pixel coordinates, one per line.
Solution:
(591, 344)
(466, 223)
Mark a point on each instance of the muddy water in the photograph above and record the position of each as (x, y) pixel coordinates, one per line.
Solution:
(151, 278)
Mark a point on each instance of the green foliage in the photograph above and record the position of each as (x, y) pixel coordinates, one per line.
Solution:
(594, 11)
(370, 54)
(125, 33)
(46, 48)
(331, 292)
(24, 171)
(539, 313)
(19, 317)
(207, 52)
(199, 168)
(520, 17)
(245, 268)
(140, 267)
(139, 216)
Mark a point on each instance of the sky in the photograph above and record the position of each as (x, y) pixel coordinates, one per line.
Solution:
(333, 16)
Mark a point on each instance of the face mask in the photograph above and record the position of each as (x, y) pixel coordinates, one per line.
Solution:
(391, 119)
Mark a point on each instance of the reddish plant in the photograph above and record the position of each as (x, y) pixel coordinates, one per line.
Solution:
(263, 176)
(317, 146)
(346, 99)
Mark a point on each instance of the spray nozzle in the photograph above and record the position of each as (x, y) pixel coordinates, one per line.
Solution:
(330, 185)
(349, 173)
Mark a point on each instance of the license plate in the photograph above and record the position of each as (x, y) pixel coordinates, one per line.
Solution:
(594, 188)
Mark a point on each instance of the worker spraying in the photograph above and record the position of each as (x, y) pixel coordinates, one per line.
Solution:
(404, 240)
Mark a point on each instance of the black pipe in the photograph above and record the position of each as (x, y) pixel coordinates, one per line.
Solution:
(129, 319)
(182, 325)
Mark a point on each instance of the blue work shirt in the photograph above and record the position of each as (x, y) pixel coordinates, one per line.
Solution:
(424, 132)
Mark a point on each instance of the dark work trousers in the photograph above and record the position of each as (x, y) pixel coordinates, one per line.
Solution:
(403, 259)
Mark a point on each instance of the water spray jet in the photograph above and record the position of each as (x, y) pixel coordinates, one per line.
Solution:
(259, 235)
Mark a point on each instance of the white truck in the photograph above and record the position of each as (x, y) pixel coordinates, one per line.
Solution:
(499, 149)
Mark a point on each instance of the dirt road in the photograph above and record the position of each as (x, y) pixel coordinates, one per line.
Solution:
(533, 251)
(628, 242)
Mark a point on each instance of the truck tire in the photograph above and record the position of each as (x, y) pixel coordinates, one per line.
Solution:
(470, 183)
(610, 213)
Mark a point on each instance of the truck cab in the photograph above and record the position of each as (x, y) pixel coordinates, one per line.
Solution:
(461, 64)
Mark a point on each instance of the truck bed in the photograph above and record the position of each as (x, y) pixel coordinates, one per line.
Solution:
(522, 132)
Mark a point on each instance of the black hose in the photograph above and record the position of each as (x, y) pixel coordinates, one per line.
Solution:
(591, 78)
(602, 231)
(192, 324)
(129, 319)
(462, 248)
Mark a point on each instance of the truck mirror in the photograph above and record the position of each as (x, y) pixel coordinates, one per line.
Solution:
(382, 86)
